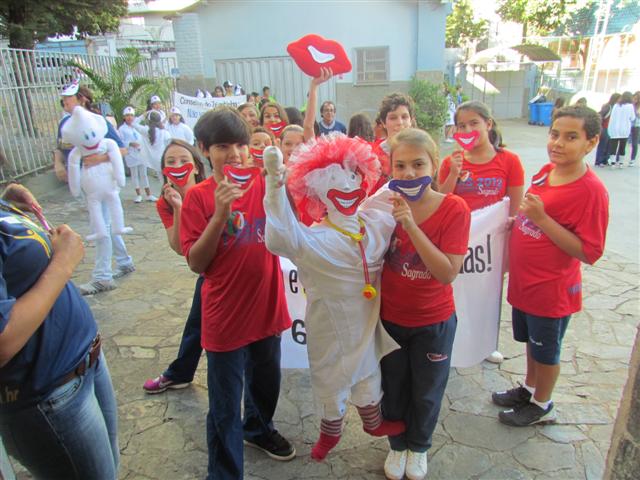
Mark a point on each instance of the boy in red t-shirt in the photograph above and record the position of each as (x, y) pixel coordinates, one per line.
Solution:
(243, 302)
(562, 221)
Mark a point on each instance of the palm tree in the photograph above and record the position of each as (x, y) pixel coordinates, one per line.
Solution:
(122, 85)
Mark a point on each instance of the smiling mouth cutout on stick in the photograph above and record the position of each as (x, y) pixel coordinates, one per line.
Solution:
(411, 189)
(467, 140)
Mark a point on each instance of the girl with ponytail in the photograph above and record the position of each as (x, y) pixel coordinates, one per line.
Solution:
(155, 139)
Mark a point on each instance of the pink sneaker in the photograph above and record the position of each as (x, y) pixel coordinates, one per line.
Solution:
(162, 383)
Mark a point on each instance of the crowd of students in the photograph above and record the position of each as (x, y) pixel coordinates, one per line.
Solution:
(231, 227)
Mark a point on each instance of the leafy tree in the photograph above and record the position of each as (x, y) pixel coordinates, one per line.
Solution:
(461, 27)
(120, 86)
(25, 21)
(538, 16)
(431, 106)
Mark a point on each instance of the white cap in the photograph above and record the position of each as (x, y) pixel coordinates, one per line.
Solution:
(175, 111)
(70, 89)
(155, 99)
(128, 111)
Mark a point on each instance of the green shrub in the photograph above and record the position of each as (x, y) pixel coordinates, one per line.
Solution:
(431, 106)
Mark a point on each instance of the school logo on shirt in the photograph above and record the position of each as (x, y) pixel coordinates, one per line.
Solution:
(31, 232)
(405, 261)
(252, 231)
(527, 227)
(483, 186)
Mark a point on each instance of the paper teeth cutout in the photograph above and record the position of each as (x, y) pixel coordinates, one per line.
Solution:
(410, 192)
(346, 203)
(240, 178)
(319, 56)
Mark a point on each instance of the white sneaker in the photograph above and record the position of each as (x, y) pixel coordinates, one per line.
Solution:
(416, 465)
(138, 199)
(495, 357)
(152, 198)
(395, 464)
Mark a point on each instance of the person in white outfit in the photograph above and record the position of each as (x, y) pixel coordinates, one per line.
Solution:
(620, 122)
(155, 139)
(339, 261)
(177, 128)
(134, 158)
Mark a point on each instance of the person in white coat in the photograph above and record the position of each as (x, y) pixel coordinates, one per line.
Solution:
(134, 158)
(155, 138)
(620, 122)
(339, 261)
(177, 128)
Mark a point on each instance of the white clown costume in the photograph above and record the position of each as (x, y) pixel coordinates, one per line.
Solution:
(100, 183)
(345, 338)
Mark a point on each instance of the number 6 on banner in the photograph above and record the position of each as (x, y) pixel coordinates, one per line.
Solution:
(298, 333)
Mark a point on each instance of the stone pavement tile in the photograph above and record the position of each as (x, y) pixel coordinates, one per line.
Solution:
(593, 461)
(477, 406)
(563, 433)
(582, 414)
(454, 461)
(545, 456)
(486, 433)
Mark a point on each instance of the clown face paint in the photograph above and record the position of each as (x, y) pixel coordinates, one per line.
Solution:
(178, 175)
(411, 189)
(242, 176)
(346, 202)
(339, 188)
(467, 140)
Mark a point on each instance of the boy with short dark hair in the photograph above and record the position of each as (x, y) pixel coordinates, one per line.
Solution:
(562, 221)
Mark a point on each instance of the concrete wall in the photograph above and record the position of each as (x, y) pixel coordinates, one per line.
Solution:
(186, 29)
(352, 99)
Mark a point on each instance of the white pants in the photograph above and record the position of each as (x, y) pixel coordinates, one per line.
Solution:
(366, 392)
(139, 176)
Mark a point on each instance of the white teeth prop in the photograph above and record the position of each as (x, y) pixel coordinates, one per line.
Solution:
(179, 175)
(467, 141)
(240, 178)
(411, 192)
(320, 57)
(346, 203)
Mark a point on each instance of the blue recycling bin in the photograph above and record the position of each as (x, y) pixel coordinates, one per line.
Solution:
(544, 113)
(534, 113)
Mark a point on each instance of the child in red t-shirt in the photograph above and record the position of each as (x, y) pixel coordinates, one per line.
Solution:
(418, 311)
(485, 173)
(182, 169)
(562, 221)
(244, 309)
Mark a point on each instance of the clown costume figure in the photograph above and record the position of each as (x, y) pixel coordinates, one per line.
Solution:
(339, 260)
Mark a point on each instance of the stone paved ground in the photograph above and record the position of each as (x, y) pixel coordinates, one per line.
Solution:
(163, 436)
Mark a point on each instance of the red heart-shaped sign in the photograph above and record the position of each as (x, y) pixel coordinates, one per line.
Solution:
(467, 140)
(313, 52)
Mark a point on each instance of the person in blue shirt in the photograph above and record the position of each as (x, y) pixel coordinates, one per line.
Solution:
(58, 414)
(328, 123)
(103, 275)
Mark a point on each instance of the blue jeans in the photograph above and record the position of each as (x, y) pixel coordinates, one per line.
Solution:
(105, 247)
(257, 365)
(635, 138)
(72, 433)
(602, 152)
(414, 379)
(183, 368)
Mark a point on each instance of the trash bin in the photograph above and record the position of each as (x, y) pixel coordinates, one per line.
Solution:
(534, 113)
(544, 113)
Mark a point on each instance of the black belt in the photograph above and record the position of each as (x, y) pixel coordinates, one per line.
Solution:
(83, 366)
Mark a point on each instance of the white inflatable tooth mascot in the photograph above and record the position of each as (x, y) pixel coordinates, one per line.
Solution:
(100, 183)
(339, 261)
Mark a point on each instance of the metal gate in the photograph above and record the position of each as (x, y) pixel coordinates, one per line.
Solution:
(30, 109)
(289, 85)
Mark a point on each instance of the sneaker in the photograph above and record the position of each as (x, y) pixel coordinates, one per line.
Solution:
(620, 165)
(632, 163)
(122, 271)
(395, 464)
(162, 383)
(152, 198)
(416, 465)
(138, 199)
(96, 286)
(274, 445)
(495, 357)
(515, 397)
(528, 414)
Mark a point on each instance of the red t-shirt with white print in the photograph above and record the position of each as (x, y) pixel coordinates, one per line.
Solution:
(243, 296)
(544, 280)
(411, 297)
(486, 184)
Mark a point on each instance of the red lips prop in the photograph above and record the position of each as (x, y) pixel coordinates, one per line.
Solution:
(467, 140)
(178, 175)
(346, 202)
(242, 176)
(257, 156)
(312, 52)
(277, 128)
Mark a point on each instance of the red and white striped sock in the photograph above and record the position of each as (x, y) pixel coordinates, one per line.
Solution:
(330, 432)
(374, 424)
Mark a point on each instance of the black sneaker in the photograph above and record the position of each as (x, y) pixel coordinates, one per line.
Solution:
(528, 414)
(515, 397)
(274, 445)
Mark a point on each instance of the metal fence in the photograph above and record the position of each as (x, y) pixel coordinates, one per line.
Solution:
(30, 83)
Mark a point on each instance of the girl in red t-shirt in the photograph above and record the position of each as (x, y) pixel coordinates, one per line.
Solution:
(182, 169)
(274, 118)
(486, 172)
(418, 311)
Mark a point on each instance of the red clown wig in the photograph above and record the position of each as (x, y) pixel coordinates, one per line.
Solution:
(336, 148)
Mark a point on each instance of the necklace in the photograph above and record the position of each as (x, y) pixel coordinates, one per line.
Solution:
(369, 292)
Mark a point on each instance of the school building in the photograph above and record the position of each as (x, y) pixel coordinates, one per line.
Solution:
(388, 42)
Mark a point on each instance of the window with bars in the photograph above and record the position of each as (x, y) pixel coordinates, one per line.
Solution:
(372, 65)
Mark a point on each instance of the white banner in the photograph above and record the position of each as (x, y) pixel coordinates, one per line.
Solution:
(477, 291)
(192, 107)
